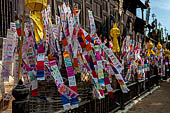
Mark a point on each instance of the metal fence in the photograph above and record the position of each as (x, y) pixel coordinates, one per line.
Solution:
(107, 105)
(88, 104)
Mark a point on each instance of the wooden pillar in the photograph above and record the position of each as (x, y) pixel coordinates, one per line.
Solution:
(108, 13)
(54, 11)
(142, 13)
(1, 18)
(71, 4)
(108, 16)
(84, 14)
(21, 43)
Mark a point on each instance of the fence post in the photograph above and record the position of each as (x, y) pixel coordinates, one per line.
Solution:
(166, 68)
(122, 100)
(157, 76)
(21, 103)
(149, 76)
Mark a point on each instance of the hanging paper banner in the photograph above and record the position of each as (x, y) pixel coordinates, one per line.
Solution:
(13, 26)
(18, 27)
(71, 24)
(81, 61)
(33, 80)
(7, 55)
(109, 69)
(92, 24)
(8, 96)
(75, 49)
(65, 92)
(88, 54)
(76, 17)
(25, 77)
(15, 68)
(115, 62)
(55, 72)
(122, 83)
(118, 66)
(2, 87)
(46, 71)
(108, 85)
(71, 77)
(9, 46)
(47, 25)
(30, 51)
(31, 58)
(40, 63)
(99, 65)
(56, 34)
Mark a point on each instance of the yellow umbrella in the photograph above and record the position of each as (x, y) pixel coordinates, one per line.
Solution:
(36, 6)
(115, 33)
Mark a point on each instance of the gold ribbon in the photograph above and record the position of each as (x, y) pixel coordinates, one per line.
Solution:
(115, 33)
(149, 49)
(159, 46)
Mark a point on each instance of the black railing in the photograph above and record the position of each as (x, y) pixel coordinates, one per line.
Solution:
(88, 104)
(107, 105)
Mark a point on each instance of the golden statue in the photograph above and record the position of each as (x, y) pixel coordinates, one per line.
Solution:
(149, 48)
(115, 33)
(159, 46)
(166, 52)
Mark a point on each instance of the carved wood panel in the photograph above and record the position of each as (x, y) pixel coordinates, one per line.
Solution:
(103, 10)
(105, 5)
(89, 1)
(7, 8)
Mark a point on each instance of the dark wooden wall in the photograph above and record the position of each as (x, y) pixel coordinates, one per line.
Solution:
(7, 8)
(103, 10)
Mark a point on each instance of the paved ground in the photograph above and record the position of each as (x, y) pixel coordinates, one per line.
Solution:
(158, 102)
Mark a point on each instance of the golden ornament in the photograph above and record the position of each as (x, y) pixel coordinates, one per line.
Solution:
(149, 48)
(36, 6)
(159, 46)
(115, 33)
